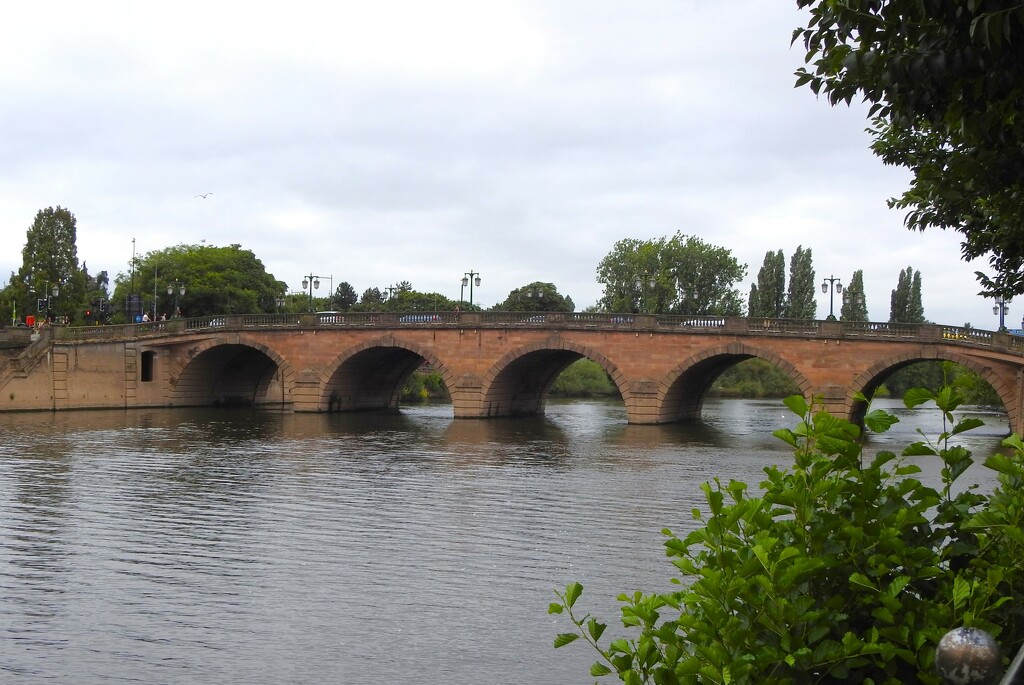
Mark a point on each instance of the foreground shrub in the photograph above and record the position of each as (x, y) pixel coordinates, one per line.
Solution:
(839, 572)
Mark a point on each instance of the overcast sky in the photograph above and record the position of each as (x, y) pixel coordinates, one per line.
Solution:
(376, 142)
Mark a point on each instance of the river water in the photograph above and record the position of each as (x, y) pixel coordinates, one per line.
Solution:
(237, 547)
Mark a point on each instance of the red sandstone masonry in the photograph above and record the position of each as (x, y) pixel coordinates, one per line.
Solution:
(487, 370)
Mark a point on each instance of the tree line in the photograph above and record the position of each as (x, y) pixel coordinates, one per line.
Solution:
(679, 274)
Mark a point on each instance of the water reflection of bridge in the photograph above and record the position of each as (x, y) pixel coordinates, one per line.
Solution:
(493, 363)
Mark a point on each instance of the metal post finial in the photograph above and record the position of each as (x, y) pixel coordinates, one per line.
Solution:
(968, 656)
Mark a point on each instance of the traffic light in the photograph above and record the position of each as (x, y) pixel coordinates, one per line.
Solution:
(41, 305)
(103, 305)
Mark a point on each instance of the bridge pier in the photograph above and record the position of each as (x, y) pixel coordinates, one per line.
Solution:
(832, 399)
(642, 403)
(306, 392)
(467, 397)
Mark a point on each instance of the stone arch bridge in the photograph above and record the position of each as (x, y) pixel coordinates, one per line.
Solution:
(493, 363)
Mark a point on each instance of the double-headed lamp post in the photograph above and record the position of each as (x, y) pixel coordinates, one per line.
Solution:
(536, 294)
(688, 300)
(1000, 308)
(177, 288)
(832, 286)
(311, 282)
(645, 283)
(469, 278)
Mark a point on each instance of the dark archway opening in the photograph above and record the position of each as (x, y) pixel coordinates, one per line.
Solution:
(229, 376)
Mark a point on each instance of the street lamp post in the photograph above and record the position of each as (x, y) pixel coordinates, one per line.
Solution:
(644, 284)
(854, 300)
(831, 285)
(538, 295)
(55, 291)
(687, 299)
(176, 288)
(156, 278)
(311, 282)
(1001, 307)
(469, 278)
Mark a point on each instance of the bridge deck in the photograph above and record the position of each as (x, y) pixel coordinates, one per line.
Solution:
(493, 363)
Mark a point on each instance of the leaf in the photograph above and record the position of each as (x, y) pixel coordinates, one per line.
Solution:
(879, 421)
(598, 669)
(1002, 464)
(595, 628)
(961, 593)
(563, 639)
(572, 593)
(966, 424)
(787, 436)
(917, 396)
(1015, 442)
(797, 404)
(897, 585)
(554, 608)
(918, 449)
(862, 580)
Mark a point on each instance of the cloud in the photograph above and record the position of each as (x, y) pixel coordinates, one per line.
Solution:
(390, 141)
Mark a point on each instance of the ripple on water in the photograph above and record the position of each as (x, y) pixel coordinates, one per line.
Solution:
(244, 547)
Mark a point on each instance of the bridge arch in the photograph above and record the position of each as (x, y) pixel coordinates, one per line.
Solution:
(371, 375)
(868, 381)
(518, 382)
(241, 372)
(681, 393)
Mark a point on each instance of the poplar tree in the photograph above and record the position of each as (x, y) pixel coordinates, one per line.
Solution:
(854, 305)
(801, 302)
(754, 301)
(916, 309)
(768, 296)
(905, 302)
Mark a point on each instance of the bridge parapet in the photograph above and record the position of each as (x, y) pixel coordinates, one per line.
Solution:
(682, 324)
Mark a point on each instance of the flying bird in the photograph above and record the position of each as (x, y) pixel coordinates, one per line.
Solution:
(204, 195)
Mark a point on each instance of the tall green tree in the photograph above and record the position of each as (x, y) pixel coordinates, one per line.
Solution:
(801, 302)
(905, 302)
(49, 261)
(945, 85)
(345, 296)
(768, 296)
(371, 298)
(217, 280)
(855, 306)
(677, 275)
(536, 297)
